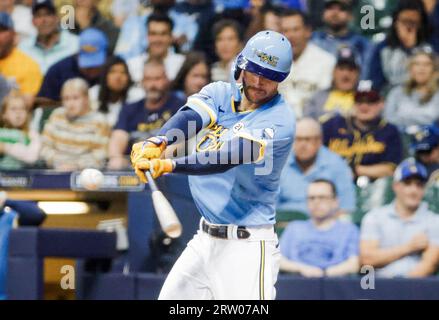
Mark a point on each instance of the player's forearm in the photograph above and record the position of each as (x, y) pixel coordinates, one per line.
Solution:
(188, 123)
(382, 257)
(235, 153)
(349, 266)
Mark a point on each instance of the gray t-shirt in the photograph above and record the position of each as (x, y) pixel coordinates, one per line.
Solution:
(386, 226)
(405, 110)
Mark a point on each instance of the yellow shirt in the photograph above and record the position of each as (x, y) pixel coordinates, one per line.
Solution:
(340, 101)
(20, 68)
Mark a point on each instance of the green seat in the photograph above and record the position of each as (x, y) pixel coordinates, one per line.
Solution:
(432, 196)
(283, 217)
(372, 195)
(40, 117)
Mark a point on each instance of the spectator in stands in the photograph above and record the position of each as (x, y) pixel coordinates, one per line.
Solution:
(340, 97)
(387, 66)
(310, 161)
(228, 43)
(87, 16)
(270, 19)
(159, 48)
(336, 33)
(402, 239)
(88, 65)
(193, 75)
(19, 146)
(370, 144)
(75, 137)
(141, 120)
(416, 102)
(264, 16)
(204, 13)
(124, 9)
(29, 214)
(426, 147)
(21, 71)
(114, 90)
(133, 40)
(22, 17)
(52, 43)
(323, 245)
(312, 66)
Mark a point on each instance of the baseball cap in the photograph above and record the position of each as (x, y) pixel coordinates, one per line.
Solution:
(346, 56)
(6, 21)
(366, 93)
(38, 4)
(345, 4)
(425, 138)
(410, 168)
(93, 46)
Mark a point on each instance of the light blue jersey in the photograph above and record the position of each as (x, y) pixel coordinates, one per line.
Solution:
(246, 194)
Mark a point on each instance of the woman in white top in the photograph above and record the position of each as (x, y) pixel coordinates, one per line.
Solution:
(115, 90)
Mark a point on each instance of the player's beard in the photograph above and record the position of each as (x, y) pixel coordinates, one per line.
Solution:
(248, 95)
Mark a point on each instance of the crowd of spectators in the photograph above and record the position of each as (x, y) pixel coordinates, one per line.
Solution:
(79, 87)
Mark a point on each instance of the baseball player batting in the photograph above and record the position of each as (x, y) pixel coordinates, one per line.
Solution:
(245, 128)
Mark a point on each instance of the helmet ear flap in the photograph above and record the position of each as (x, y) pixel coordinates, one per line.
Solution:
(237, 73)
(238, 66)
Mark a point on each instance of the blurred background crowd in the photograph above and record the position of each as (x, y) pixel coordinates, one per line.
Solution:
(82, 80)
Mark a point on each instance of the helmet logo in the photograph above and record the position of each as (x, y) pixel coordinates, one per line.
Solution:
(266, 58)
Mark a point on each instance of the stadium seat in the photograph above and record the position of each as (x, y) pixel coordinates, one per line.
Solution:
(372, 195)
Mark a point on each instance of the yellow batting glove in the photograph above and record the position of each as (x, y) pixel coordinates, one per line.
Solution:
(149, 149)
(157, 167)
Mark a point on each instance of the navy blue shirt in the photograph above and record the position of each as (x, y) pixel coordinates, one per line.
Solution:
(381, 144)
(59, 73)
(141, 123)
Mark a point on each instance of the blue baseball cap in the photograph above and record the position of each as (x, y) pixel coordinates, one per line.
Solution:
(6, 21)
(410, 168)
(425, 138)
(93, 46)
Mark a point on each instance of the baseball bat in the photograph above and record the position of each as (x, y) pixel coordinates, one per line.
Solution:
(166, 215)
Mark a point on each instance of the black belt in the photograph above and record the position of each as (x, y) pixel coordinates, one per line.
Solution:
(221, 231)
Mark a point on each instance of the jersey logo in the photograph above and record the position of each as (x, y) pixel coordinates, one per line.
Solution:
(238, 127)
(211, 140)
